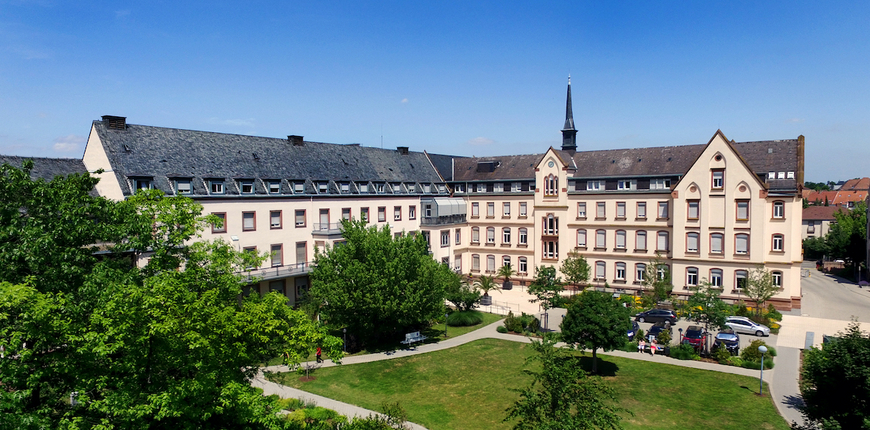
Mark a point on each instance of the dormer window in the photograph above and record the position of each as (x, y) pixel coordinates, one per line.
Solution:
(381, 187)
(627, 184)
(322, 187)
(142, 184)
(427, 188)
(660, 184)
(364, 188)
(299, 187)
(780, 175)
(771, 175)
(499, 187)
(274, 187)
(182, 186)
(459, 188)
(345, 187)
(481, 188)
(442, 188)
(516, 187)
(594, 185)
(247, 187)
(397, 188)
(216, 186)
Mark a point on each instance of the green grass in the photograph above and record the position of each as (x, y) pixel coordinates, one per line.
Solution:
(467, 387)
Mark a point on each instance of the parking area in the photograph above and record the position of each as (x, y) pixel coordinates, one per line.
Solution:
(745, 339)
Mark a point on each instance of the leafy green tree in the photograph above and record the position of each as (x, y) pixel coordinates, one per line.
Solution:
(706, 307)
(834, 383)
(575, 268)
(379, 286)
(847, 238)
(505, 272)
(462, 294)
(760, 287)
(818, 186)
(815, 247)
(562, 396)
(595, 320)
(486, 284)
(657, 279)
(546, 287)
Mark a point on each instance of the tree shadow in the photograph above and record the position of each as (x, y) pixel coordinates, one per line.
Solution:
(605, 368)
(794, 402)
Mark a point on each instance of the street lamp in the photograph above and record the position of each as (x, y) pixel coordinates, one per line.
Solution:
(762, 349)
(344, 345)
(445, 325)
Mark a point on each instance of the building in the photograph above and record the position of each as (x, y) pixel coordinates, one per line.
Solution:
(712, 211)
(817, 220)
(847, 194)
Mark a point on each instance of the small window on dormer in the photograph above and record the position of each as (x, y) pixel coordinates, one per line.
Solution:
(481, 188)
(142, 184)
(247, 187)
(322, 187)
(594, 185)
(364, 187)
(780, 175)
(274, 187)
(397, 188)
(345, 187)
(459, 188)
(182, 186)
(771, 175)
(442, 188)
(625, 184)
(216, 186)
(499, 187)
(789, 175)
(427, 188)
(381, 188)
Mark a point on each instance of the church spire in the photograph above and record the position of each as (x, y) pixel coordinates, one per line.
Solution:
(569, 134)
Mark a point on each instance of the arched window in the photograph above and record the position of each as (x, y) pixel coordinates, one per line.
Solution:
(600, 239)
(692, 240)
(740, 278)
(741, 244)
(716, 277)
(620, 239)
(662, 243)
(640, 241)
(524, 236)
(506, 235)
(523, 266)
(779, 209)
(490, 235)
(716, 243)
(475, 234)
(692, 276)
(490, 263)
(777, 278)
(475, 263)
(620, 271)
(639, 272)
(581, 238)
(551, 185)
(600, 270)
(777, 244)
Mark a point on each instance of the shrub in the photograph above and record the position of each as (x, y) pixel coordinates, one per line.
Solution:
(664, 338)
(742, 311)
(464, 318)
(721, 355)
(512, 323)
(639, 334)
(755, 365)
(630, 346)
(773, 314)
(501, 329)
(752, 358)
(735, 361)
(530, 323)
(684, 352)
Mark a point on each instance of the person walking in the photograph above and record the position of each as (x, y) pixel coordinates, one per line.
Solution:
(653, 347)
(319, 360)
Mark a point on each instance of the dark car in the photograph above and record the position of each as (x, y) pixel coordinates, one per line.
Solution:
(658, 328)
(729, 340)
(695, 336)
(633, 330)
(657, 315)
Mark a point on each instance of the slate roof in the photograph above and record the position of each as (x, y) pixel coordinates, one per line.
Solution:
(507, 167)
(47, 168)
(167, 153)
(444, 164)
(820, 213)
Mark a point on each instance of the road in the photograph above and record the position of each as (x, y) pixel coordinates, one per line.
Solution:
(829, 297)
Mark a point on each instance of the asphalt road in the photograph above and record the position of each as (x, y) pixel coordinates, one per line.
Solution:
(827, 296)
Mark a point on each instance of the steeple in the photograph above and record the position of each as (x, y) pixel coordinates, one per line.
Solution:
(569, 134)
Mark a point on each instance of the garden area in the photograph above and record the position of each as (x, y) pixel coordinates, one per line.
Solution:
(469, 387)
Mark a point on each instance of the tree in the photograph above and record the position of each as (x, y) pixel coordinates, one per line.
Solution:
(486, 284)
(760, 287)
(562, 396)
(847, 237)
(705, 307)
(657, 279)
(546, 287)
(379, 286)
(170, 344)
(834, 382)
(575, 268)
(595, 320)
(461, 294)
(815, 247)
(505, 272)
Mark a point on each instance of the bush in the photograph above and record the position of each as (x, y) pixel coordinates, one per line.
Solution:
(639, 334)
(530, 323)
(742, 311)
(630, 346)
(684, 352)
(752, 358)
(721, 355)
(512, 323)
(501, 329)
(755, 365)
(464, 318)
(664, 338)
(735, 361)
(773, 314)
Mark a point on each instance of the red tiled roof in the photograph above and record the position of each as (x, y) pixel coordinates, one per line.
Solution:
(844, 197)
(822, 213)
(858, 184)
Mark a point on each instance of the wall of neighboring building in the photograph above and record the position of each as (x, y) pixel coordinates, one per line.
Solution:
(95, 158)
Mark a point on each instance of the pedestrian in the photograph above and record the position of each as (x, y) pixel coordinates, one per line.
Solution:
(641, 346)
(319, 360)
(652, 348)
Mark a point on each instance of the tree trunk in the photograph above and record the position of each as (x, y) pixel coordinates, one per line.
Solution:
(594, 360)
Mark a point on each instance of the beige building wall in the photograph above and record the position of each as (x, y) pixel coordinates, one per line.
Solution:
(95, 158)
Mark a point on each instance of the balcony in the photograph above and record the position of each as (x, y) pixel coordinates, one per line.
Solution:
(330, 230)
(280, 272)
(443, 220)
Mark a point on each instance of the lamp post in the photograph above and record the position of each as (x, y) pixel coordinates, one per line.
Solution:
(445, 325)
(762, 349)
(344, 345)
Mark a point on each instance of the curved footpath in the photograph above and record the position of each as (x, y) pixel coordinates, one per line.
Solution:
(782, 380)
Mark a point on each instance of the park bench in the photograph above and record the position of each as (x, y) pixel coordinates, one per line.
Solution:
(410, 338)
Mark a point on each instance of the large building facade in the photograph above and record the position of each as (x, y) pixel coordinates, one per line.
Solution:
(712, 211)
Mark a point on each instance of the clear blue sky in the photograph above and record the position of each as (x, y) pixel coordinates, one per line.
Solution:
(446, 77)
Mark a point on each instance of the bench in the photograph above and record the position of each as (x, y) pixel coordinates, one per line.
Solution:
(410, 338)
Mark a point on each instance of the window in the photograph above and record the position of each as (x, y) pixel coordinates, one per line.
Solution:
(344, 187)
(600, 239)
(364, 188)
(397, 213)
(490, 263)
(427, 211)
(659, 184)
(692, 276)
(663, 210)
(247, 187)
(641, 209)
(253, 251)
(397, 188)
(551, 185)
(298, 187)
(716, 277)
(481, 188)
(490, 235)
(216, 186)
(640, 241)
(779, 209)
(364, 214)
(777, 278)
(506, 235)
(551, 250)
(475, 263)
(141, 184)
(620, 239)
(182, 186)
(662, 242)
(459, 188)
(457, 264)
(778, 241)
(718, 181)
(742, 210)
(741, 244)
(277, 287)
(620, 210)
(662, 271)
(475, 209)
(458, 236)
(523, 209)
(382, 214)
(620, 272)
(639, 272)
(322, 187)
(740, 277)
(445, 238)
(506, 210)
(692, 242)
(277, 255)
(811, 227)
(412, 212)
(694, 209)
(300, 217)
(600, 270)
(301, 252)
(524, 236)
(475, 234)
(523, 266)
(506, 261)
(516, 187)
(275, 219)
(551, 225)
(601, 210)
(581, 238)
(220, 227)
(594, 185)
(490, 210)
(626, 184)
(380, 187)
(274, 187)
(324, 220)
(581, 210)
(716, 241)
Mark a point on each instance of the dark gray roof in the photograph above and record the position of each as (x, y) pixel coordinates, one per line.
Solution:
(166, 153)
(772, 156)
(444, 164)
(507, 167)
(47, 168)
(659, 161)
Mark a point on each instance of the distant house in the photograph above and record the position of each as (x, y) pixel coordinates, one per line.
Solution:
(845, 194)
(817, 220)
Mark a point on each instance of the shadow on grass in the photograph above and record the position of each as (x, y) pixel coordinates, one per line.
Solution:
(605, 368)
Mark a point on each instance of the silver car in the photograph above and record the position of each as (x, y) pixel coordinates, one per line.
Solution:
(746, 325)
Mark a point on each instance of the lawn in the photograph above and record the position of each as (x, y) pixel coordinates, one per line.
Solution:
(468, 387)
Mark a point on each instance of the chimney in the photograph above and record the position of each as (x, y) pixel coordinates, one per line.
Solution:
(115, 122)
(296, 140)
(402, 150)
(801, 160)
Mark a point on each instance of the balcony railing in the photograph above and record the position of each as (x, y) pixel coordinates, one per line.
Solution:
(279, 272)
(443, 220)
(333, 228)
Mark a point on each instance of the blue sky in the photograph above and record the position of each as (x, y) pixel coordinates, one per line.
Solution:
(486, 78)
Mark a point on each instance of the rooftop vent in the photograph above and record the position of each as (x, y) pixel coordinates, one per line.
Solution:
(402, 150)
(115, 122)
(296, 140)
(486, 166)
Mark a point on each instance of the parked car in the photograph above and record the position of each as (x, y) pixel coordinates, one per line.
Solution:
(633, 330)
(658, 328)
(746, 325)
(695, 336)
(729, 340)
(656, 315)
